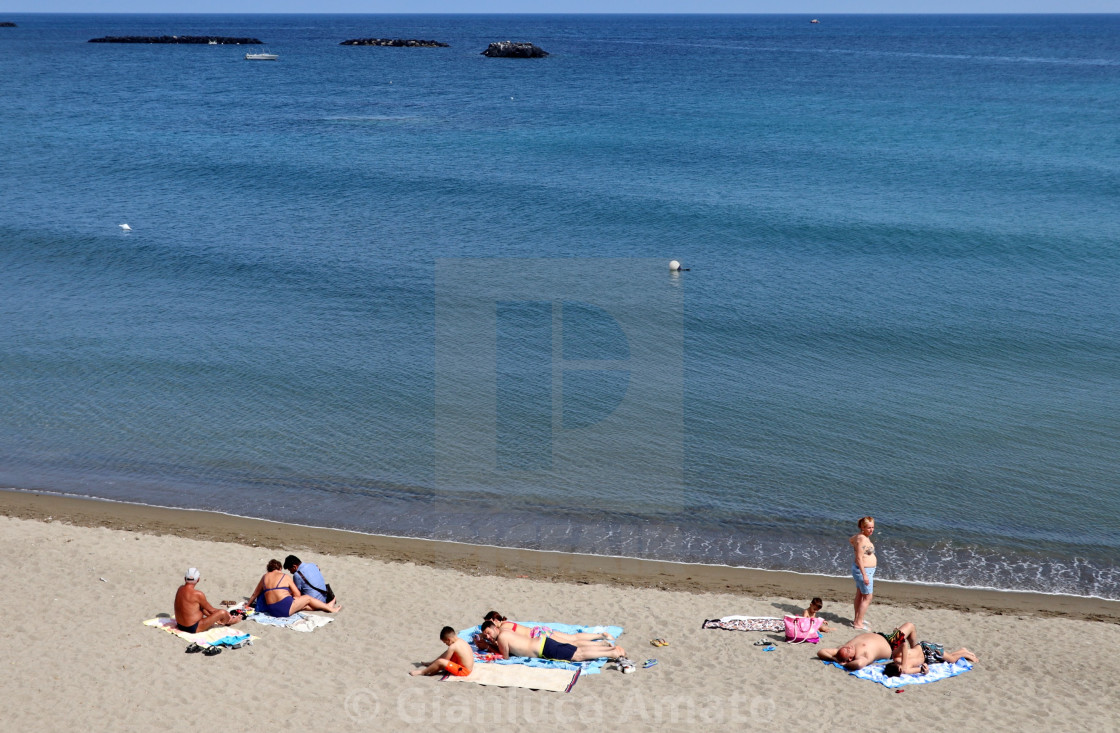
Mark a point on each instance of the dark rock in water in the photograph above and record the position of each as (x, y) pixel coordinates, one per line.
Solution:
(396, 42)
(7, 24)
(511, 50)
(217, 40)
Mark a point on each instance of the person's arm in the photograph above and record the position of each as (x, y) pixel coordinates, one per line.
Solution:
(256, 591)
(503, 647)
(828, 655)
(204, 604)
(292, 587)
(857, 545)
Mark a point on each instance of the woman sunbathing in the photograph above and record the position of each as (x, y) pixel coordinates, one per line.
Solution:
(534, 632)
(279, 596)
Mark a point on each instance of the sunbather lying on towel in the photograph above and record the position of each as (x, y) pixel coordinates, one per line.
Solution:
(916, 660)
(511, 644)
(866, 648)
(534, 632)
(193, 613)
(457, 660)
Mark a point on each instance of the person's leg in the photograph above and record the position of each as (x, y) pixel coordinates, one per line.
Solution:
(439, 665)
(298, 604)
(581, 639)
(220, 618)
(587, 653)
(910, 633)
(961, 653)
(863, 601)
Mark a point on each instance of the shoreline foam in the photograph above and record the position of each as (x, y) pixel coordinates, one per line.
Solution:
(543, 564)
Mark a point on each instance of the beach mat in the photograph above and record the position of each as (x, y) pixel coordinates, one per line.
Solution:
(518, 675)
(306, 622)
(874, 673)
(746, 623)
(218, 636)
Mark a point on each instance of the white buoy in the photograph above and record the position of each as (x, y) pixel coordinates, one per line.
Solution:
(674, 266)
(125, 227)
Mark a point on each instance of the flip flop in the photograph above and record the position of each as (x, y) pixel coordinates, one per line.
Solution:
(213, 651)
(193, 648)
(659, 642)
(769, 648)
(762, 642)
(649, 663)
(625, 665)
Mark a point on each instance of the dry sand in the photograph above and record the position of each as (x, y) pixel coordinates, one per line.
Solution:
(77, 656)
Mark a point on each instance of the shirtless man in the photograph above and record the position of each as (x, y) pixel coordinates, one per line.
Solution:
(910, 660)
(457, 660)
(512, 644)
(863, 571)
(193, 613)
(866, 648)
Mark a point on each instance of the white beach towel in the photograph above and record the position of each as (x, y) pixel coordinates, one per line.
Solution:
(297, 622)
(519, 675)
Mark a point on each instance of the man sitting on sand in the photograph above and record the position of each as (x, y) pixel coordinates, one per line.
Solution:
(908, 660)
(866, 648)
(457, 660)
(511, 644)
(193, 613)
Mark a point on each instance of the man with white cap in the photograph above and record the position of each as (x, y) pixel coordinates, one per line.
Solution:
(193, 613)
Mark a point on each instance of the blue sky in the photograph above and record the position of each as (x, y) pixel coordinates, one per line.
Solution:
(816, 7)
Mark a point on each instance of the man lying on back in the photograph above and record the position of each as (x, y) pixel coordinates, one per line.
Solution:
(511, 644)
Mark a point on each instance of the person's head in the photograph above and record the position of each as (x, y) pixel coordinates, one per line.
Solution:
(845, 654)
(490, 630)
(192, 575)
(274, 564)
(892, 669)
(447, 635)
(867, 525)
(291, 563)
(816, 604)
(495, 617)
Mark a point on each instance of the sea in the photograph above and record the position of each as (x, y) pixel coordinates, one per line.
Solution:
(422, 292)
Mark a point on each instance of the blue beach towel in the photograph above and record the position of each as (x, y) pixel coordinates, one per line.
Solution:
(874, 673)
(592, 667)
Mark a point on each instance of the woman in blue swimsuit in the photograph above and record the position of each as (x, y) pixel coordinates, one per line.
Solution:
(276, 594)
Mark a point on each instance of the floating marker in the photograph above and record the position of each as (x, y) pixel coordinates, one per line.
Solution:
(674, 266)
(125, 227)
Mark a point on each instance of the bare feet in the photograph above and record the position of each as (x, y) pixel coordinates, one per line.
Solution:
(416, 672)
(334, 606)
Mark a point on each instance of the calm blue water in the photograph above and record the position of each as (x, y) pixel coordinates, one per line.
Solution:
(903, 236)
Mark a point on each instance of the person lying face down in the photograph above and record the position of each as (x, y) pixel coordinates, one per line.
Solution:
(457, 660)
(511, 644)
(916, 660)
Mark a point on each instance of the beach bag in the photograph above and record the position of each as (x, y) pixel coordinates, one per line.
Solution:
(801, 630)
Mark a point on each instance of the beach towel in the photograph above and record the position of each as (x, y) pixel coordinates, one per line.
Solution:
(874, 673)
(296, 622)
(518, 675)
(217, 636)
(746, 623)
(592, 667)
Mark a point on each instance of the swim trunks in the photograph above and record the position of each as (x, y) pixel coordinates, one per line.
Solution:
(557, 650)
(868, 588)
(934, 653)
(457, 669)
(538, 630)
(192, 629)
(896, 639)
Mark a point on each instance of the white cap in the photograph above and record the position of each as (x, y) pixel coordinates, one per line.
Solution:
(192, 575)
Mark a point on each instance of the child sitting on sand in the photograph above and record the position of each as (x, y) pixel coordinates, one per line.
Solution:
(457, 660)
(816, 605)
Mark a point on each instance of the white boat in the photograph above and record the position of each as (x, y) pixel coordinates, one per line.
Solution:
(261, 57)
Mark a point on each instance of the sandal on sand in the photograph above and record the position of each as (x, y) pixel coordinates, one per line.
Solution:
(625, 665)
(213, 651)
(659, 642)
(769, 648)
(762, 642)
(193, 648)
(649, 663)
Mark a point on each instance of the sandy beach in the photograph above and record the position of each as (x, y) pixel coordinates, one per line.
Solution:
(85, 574)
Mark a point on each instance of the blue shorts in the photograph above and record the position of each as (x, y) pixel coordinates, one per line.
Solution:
(864, 589)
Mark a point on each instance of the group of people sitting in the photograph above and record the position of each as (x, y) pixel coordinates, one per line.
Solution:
(278, 593)
(901, 646)
(504, 638)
